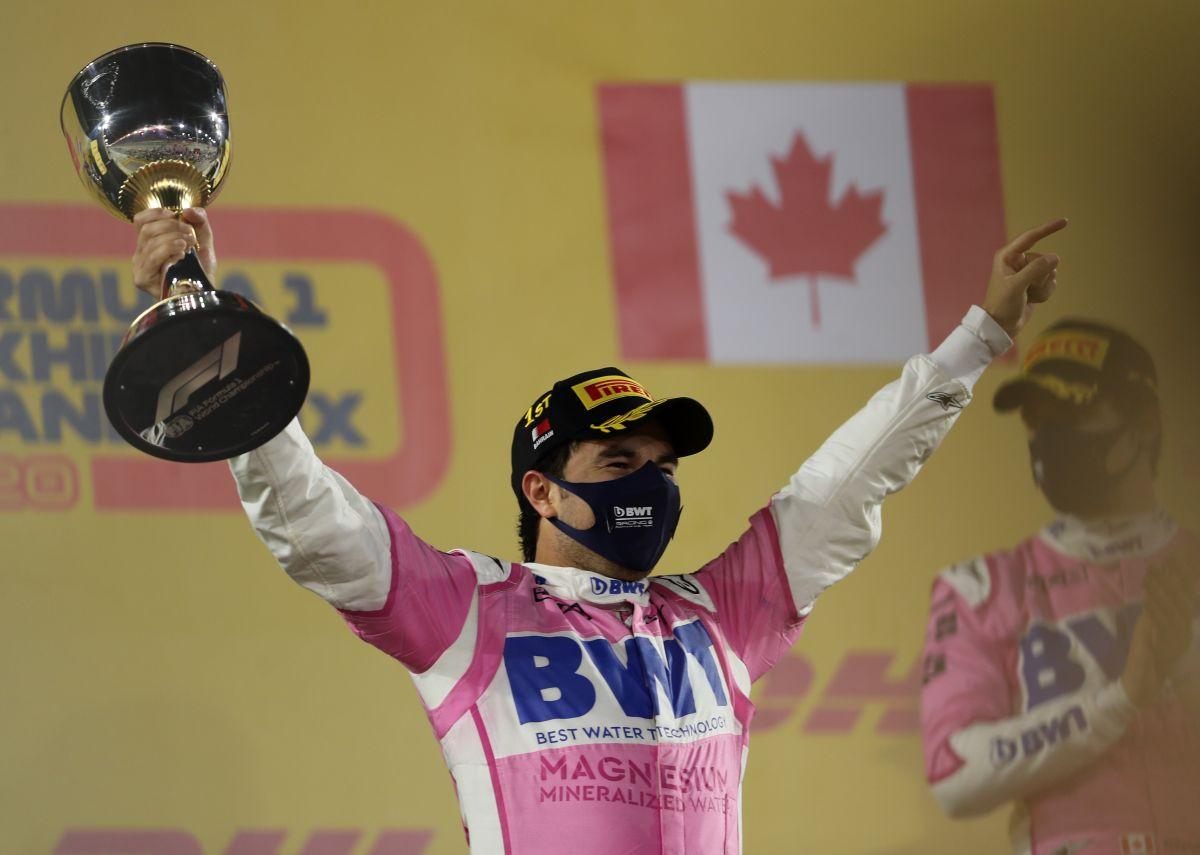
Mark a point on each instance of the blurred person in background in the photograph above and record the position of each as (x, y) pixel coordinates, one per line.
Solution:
(581, 707)
(1063, 674)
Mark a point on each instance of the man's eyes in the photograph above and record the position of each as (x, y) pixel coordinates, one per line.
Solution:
(669, 471)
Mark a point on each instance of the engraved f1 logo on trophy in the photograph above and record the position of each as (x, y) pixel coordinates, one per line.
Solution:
(216, 365)
(202, 374)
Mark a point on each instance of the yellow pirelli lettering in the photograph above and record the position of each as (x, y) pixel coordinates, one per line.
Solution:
(1084, 348)
(598, 390)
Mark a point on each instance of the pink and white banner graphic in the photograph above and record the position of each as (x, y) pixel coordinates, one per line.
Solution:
(798, 222)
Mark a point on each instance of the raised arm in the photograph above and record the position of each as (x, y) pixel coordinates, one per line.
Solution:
(322, 531)
(827, 518)
(828, 514)
(395, 591)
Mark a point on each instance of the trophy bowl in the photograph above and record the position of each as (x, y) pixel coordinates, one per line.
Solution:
(202, 374)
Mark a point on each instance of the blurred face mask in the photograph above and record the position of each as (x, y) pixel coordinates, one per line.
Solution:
(1070, 467)
(635, 514)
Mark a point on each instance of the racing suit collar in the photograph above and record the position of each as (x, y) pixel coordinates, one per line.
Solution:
(570, 583)
(1112, 538)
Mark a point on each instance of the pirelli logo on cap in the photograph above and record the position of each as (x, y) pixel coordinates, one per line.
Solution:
(599, 390)
(1085, 348)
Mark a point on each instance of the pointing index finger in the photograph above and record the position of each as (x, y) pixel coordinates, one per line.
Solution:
(1026, 240)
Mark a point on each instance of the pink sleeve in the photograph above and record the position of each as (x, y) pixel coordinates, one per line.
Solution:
(750, 593)
(963, 681)
(427, 603)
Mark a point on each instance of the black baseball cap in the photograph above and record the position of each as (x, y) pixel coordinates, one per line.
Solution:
(1075, 360)
(601, 404)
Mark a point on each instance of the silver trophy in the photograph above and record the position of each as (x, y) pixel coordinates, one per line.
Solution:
(202, 374)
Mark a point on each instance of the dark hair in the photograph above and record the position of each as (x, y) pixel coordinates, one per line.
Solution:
(527, 519)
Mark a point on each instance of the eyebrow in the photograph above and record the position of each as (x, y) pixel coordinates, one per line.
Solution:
(613, 452)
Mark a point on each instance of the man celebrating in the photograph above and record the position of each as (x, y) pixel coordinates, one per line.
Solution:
(1057, 673)
(570, 693)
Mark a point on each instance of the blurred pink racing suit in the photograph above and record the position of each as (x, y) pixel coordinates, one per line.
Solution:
(578, 713)
(1022, 697)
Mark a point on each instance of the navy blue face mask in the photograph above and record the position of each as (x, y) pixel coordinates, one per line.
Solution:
(1069, 467)
(636, 516)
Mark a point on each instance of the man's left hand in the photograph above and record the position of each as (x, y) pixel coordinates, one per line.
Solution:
(1021, 278)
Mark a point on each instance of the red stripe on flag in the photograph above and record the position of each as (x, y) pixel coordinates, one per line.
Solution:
(651, 224)
(960, 203)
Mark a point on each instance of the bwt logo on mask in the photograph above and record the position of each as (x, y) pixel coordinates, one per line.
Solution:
(636, 517)
(617, 587)
(633, 512)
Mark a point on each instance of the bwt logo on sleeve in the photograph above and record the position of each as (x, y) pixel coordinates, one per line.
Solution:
(1042, 735)
(330, 276)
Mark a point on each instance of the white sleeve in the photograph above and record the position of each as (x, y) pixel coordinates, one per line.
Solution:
(828, 516)
(1017, 757)
(323, 532)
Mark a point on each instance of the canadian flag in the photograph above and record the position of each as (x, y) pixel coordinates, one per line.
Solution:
(798, 222)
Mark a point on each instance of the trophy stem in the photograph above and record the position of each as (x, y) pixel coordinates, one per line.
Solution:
(170, 184)
(185, 277)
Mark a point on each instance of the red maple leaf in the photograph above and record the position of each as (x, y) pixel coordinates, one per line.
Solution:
(806, 234)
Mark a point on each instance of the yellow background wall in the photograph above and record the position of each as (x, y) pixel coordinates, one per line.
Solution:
(159, 671)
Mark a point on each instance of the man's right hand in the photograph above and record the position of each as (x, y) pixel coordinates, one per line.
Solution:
(163, 239)
(1164, 629)
(1021, 278)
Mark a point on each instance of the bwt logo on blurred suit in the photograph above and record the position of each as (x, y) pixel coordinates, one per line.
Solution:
(797, 222)
(358, 289)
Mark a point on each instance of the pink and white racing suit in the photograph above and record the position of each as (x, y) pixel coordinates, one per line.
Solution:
(1022, 698)
(568, 702)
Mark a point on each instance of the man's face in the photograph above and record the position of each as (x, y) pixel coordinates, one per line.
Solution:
(594, 461)
(1103, 449)
(608, 459)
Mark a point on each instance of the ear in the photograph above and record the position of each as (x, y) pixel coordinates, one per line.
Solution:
(536, 488)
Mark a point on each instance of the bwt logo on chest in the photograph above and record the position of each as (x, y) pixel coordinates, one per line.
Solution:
(1056, 658)
(559, 677)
